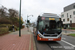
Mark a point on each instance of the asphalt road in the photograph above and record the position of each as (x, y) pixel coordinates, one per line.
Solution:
(67, 43)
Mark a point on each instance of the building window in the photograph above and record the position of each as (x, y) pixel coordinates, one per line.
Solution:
(63, 20)
(74, 12)
(70, 21)
(74, 6)
(67, 14)
(70, 16)
(67, 19)
(62, 15)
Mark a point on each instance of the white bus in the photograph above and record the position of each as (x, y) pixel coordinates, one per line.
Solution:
(49, 27)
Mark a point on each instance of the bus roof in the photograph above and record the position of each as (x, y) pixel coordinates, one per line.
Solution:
(49, 15)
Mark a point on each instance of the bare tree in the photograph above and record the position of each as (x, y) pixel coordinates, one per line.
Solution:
(3, 11)
(13, 13)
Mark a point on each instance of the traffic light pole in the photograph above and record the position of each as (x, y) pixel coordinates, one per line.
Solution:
(27, 17)
(28, 21)
(20, 20)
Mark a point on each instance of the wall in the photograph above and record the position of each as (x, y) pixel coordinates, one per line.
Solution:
(70, 12)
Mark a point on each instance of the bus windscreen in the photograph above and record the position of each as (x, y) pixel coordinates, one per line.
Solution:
(47, 24)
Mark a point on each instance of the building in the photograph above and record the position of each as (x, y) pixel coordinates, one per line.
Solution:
(68, 16)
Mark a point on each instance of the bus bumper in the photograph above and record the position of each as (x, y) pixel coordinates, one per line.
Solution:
(48, 39)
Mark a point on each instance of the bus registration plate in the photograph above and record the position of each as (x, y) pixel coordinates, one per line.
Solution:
(50, 39)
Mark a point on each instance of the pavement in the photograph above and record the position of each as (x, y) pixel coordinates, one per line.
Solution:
(12, 41)
(68, 31)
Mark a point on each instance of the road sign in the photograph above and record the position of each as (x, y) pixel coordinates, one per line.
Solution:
(43, 18)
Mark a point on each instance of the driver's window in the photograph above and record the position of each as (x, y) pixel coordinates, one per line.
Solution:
(41, 25)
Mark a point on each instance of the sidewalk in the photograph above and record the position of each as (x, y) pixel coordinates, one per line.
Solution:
(68, 29)
(12, 41)
(65, 33)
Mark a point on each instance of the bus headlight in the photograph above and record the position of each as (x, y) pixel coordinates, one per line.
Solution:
(40, 35)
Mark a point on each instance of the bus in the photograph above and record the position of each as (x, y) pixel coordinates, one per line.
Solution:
(48, 27)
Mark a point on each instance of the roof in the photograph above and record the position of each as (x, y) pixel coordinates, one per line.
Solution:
(50, 15)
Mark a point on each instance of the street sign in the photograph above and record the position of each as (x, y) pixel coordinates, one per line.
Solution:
(43, 18)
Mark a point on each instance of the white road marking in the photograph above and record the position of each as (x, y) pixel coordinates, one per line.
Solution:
(68, 43)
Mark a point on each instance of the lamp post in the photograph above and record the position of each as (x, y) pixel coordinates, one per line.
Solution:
(20, 20)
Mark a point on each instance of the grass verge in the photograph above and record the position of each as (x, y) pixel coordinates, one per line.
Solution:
(72, 35)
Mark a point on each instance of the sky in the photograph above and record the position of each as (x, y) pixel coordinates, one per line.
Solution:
(36, 7)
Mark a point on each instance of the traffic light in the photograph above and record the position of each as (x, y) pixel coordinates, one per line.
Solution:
(28, 21)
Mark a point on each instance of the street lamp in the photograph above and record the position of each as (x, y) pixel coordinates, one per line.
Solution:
(28, 16)
(20, 20)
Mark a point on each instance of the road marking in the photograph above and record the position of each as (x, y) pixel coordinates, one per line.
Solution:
(68, 43)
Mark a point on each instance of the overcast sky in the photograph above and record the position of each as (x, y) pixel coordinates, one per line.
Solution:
(36, 7)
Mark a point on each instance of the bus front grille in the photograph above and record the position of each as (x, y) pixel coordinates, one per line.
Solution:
(50, 35)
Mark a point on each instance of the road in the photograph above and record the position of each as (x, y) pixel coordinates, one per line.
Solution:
(67, 43)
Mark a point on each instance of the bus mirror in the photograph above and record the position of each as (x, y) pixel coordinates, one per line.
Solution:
(38, 21)
(60, 23)
(39, 16)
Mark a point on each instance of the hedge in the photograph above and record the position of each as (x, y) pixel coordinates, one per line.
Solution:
(5, 25)
(72, 28)
(3, 30)
(9, 26)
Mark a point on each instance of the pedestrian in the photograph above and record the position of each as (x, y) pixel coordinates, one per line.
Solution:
(13, 28)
